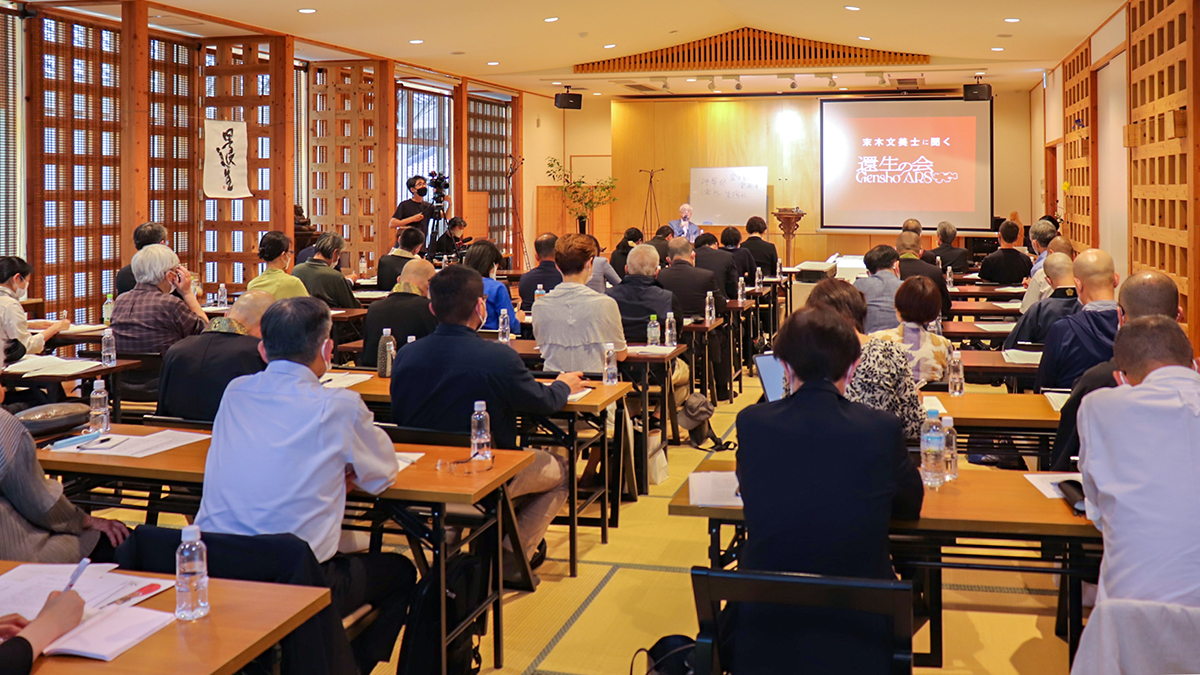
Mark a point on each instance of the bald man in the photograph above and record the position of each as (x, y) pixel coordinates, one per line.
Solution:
(908, 245)
(1085, 338)
(913, 225)
(405, 310)
(196, 370)
(1148, 293)
(1063, 301)
(684, 227)
(1037, 287)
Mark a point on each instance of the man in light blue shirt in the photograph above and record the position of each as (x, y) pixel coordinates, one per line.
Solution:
(684, 227)
(880, 288)
(1041, 234)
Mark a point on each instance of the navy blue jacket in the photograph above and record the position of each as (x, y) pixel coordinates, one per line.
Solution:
(437, 379)
(640, 296)
(1075, 344)
(546, 274)
(1035, 324)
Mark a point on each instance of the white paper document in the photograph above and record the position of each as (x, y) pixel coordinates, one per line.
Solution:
(407, 459)
(656, 350)
(213, 309)
(933, 403)
(84, 328)
(110, 632)
(1011, 289)
(370, 295)
(35, 366)
(343, 380)
(1057, 399)
(972, 275)
(369, 281)
(995, 327)
(132, 446)
(1014, 304)
(335, 312)
(1023, 357)
(714, 488)
(577, 396)
(1047, 483)
(24, 589)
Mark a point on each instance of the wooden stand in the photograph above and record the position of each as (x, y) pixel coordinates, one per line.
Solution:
(789, 220)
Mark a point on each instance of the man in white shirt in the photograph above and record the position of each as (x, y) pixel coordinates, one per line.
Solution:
(1038, 287)
(1138, 457)
(284, 452)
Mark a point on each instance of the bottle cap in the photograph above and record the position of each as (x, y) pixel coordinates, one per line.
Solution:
(99, 385)
(610, 346)
(956, 354)
(191, 533)
(222, 285)
(670, 315)
(504, 312)
(480, 406)
(387, 331)
(931, 414)
(108, 295)
(709, 294)
(654, 317)
(947, 421)
(108, 332)
(539, 287)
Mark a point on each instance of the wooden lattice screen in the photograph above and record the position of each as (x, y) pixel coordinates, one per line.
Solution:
(1079, 117)
(1162, 86)
(751, 48)
(174, 138)
(352, 117)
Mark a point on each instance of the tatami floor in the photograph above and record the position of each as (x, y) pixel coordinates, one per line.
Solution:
(636, 589)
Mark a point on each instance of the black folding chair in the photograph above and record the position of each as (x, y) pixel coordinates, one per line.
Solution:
(891, 599)
(416, 436)
(176, 423)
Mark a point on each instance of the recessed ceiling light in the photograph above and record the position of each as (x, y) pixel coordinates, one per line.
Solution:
(843, 88)
(595, 93)
(980, 73)
(416, 42)
(556, 83)
(307, 11)
(997, 49)
(1012, 21)
(716, 91)
(691, 79)
(493, 63)
(609, 46)
(550, 19)
(852, 8)
(861, 37)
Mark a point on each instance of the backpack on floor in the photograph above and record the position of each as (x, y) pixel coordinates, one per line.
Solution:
(467, 578)
(694, 415)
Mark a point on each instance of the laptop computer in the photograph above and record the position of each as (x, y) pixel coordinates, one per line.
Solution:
(770, 374)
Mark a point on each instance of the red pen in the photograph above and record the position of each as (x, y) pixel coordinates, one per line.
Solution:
(144, 590)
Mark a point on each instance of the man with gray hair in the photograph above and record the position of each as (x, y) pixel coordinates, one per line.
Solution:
(1040, 235)
(952, 256)
(321, 279)
(143, 236)
(149, 319)
(285, 451)
(639, 296)
(684, 227)
(1034, 325)
(196, 370)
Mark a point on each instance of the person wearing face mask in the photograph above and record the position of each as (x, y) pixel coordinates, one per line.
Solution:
(483, 257)
(275, 249)
(286, 450)
(416, 211)
(14, 323)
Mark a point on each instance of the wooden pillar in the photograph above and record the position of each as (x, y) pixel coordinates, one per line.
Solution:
(385, 159)
(458, 149)
(283, 136)
(135, 122)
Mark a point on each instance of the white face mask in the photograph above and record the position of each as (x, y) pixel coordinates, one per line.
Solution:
(483, 315)
(495, 270)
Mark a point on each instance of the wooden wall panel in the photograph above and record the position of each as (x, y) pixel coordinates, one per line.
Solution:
(1079, 162)
(1162, 62)
(551, 215)
(475, 212)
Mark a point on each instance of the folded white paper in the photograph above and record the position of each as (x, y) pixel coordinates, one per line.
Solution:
(344, 380)
(1047, 483)
(577, 396)
(1022, 357)
(995, 327)
(714, 488)
(1057, 399)
(1015, 304)
(110, 633)
(407, 459)
(933, 403)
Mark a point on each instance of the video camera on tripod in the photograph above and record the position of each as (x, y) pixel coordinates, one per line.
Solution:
(440, 183)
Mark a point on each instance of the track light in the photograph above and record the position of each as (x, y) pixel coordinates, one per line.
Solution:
(665, 86)
(712, 84)
(832, 82)
(737, 83)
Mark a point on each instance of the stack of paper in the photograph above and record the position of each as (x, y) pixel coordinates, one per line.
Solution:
(370, 295)
(84, 328)
(1047, 483)
(1023, 357)
(714, 488)
(972, 275)
(992, 327)
(577, 396)
(1057, 399)
(933, 403)
(656, 350)
(343, 380)
(42, 366)
(1011, 289)
(24, 589)
(1014, 304)
(110, 633)
(335, 312)
(121, 445)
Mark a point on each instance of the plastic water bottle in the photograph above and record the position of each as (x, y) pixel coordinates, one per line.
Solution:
(505, 331)
(958, 380)
(108, 348)
(222, 296)
(386, 354)
(98, 419)
(951, 447)
(191, 576)
(481, 433)
(741, 289)
(933, 451)
(672, 330)
(949, 277)
(362, 265)
(653, 332)
(938, 261)
(610, 363)
(710, 308)
(107, 310)
(538, 293)
(758, 277)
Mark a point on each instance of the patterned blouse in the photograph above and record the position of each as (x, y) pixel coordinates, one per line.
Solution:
(927, 352)
(884, 381)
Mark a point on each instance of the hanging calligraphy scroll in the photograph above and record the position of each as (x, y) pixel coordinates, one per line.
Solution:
(226, 155)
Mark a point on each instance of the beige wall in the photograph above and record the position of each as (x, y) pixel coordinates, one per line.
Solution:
(1037, 150)
(543, 128)
(1010, 155)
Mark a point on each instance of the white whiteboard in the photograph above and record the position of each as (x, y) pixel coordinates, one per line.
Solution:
(728, 195)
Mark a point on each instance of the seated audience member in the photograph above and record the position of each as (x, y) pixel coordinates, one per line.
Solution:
(633, 237)
(879, 288)
(546, 273)
(1081, 340)
(917, 305)
(483, 257)
(766, 257)
(1034, 325)
(408, 247)
(951, 256)
(720, 263)
(405, 310)
(275, 249)
(451, 242)
(884, 378)
(22, 642)
(1041, 234)
(1006, 265)
(196, 370)
(149, 319)
(573, 322)
(322, 279)
(908, 246)
(639, 296)
(731, 240)
(1148, 293)
(858, 491)
(286, 450)
(437, 380)
(15, 274)
(37, 522)
(913, 225)
(1138, 459)
(1039, 287)
(662, 237)
(144, 235)
(691, 285)
(603, 273)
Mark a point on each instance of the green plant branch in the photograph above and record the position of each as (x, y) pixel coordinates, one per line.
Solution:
(581, 197)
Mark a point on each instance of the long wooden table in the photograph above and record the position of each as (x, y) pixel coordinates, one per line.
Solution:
(1003, 424)
(970, 330)
(993, 363)
(982, 308)
(986, 292)
(87, 379)
(990, 508)
(420, 495)
(245, 619)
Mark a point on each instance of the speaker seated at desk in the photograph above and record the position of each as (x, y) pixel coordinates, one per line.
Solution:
(683, 226)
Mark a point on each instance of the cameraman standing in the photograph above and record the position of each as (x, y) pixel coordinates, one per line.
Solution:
(416, 212)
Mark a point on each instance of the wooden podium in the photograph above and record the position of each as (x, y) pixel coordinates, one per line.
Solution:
(789, 220)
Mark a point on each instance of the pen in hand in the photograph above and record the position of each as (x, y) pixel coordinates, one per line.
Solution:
(77, 573)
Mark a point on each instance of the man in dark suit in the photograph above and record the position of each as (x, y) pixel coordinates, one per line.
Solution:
(913, 225)
(405, 311)
(662, 237)
(1085, 338)
(766, 257)
(720, 263)
(546, 274)
(952, 256)
(1034, 325)
(437, 380)
(784, 468)
(638, 296)
(691, 285)
(1006, 265)
(908, 245)
(196, 370)
(731, 239)
(408, 247)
